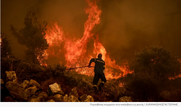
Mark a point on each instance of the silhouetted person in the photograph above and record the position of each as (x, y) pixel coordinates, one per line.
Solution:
(98, 72)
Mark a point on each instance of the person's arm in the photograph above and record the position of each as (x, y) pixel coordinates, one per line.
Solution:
(92, 60)
(104, 66)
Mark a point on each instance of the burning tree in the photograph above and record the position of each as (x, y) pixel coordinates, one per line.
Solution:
(5, 47)
(32, 36)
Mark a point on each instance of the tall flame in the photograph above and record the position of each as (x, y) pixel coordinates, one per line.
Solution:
(75, 52)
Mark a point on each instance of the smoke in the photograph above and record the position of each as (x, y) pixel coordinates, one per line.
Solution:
(129, 25)
(70, 15)
(125, 26)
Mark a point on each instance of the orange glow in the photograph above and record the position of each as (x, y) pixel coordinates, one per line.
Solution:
(121, 84)
(110, 64)
(75, 52)
(54, 35)
(178, 76)
(179, 60)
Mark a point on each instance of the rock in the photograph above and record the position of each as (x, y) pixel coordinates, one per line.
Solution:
(34, 99)
(16, 91)
(2, 82)
(83, 97)
(25, 83)
(58, 97)
(11, 76)
(86, 98)
(125, 99)
(40, 98)
(8, 99)
(65, 98)
(74, 92)
(35, 83)
(165, 95)
(55, 88)
(89, 99)
(51, 100)
(72, 98)
(43, 94)
(31, 91)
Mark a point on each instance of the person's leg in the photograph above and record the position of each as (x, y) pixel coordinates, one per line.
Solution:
(95, 81)
(103, 80)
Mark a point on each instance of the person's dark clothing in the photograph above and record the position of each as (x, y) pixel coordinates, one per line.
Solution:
(98, 75)
(98, 69)
(99, 64)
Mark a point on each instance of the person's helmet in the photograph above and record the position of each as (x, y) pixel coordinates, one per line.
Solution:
(99, 55)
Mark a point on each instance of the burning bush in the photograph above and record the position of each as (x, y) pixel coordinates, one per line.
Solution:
(152, 66)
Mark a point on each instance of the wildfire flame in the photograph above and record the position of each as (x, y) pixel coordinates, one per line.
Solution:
(74, 52)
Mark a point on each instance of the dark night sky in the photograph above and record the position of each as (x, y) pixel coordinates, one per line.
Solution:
(126, 25)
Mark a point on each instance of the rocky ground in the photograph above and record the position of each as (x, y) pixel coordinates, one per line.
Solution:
(26, 82)
(76, 89)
